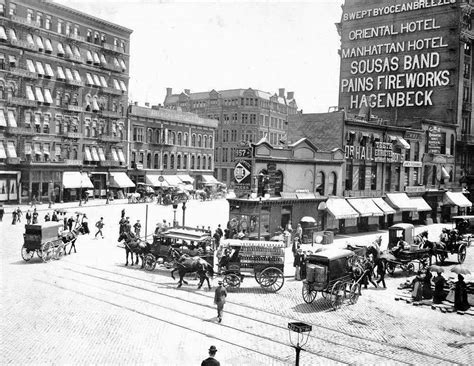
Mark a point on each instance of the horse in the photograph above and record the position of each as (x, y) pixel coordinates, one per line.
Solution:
(70, 237)
(185, 264)
(134, 245)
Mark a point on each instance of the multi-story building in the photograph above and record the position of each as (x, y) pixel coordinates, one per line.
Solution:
(244, 115)
(411, 61)
(168, 147)
(63, 99)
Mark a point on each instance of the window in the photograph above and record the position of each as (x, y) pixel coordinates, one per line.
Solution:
(60, 26)
(165, 161)
(12, 9)
(373, 177)
(451, 145)
(192, 161)
(103, 39)
(89, 35)
(178, 162)
(433, 177)
(47, 22)
(245, 118)
(443, 143)
(2, 9)
(96, 38)
(39, 19)
(332, 189)
(185, 161)
(149, 135)
(225, 153)
(193, 140)
(185, 140)
(156, 162)
(148, 161)
(388, 177)
(416, 151)
(29, 15)
(349, 169)
(172, 161)
(198, 163)
(320, 183)
(362, 177)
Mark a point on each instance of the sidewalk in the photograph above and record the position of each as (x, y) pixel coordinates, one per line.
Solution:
(65, 205)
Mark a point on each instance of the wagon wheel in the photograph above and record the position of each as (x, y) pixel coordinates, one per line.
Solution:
(337, 295)
(442, 256)
(27, 254)
(258, 277)
(391, 267)
(46, 252)
(58, 252)
(461, 253)
(354, 292)
(272, 279)
(39, 253)
(232, 281)
(150, 262)
(410, 268)
(309, 294)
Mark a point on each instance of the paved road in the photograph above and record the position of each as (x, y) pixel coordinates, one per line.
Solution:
(89, 308)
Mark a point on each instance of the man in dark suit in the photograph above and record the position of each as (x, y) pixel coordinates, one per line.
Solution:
(219, 299)
(211, 361)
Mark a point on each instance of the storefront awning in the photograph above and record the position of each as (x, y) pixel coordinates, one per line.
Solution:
(186, 178)
(87, 153)
(76, 180)
(95, 155)
(121, 156)
(365, 207)
(120, 180)
(172, 180)
(387, 210)
(420, 203)
(11, 149)
(403, 143)
(456, 199)
(3, 154)
(101, 154)
(154, 180)
(340, 209)
(209, 179)
(3, 121)
(401, 201)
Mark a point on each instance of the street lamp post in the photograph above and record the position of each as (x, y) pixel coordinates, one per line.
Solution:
(184, 211)
(299, 329)
(175, 207)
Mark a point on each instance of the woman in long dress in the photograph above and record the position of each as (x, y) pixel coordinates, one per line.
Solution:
(460, 295)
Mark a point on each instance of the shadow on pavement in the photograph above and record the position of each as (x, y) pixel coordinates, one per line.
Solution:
(317, 306)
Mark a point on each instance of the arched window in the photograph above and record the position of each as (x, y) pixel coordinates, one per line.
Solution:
(185, 161)
(173, 138)
(172, 161)
(204, 162)
(209, 162)
(320, 182)
(186, 142)
(451, 148)
(149, 135)
(192, 161)
(193, 140)
(178, 162)
(278, 182)
(205, 140)
(165, 161)
(148, 161)
(198, 163)
(199, 141)
(179, 138)
(156, 164)
(210, 142)
(451, 175)
(134, 157)
(332, 186)
(433, 177)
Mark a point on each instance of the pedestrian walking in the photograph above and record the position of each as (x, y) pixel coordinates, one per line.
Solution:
(19, 214)
(137, 227)
(33, 201)
(122, 214)
(99, 225)
(47, 217)
(439, 294)
(2, 212)
(55, 216)
(219, 299)
(211, 361)
(35, 217)
(14, 217)
(28, 217)
(368, 272)
(219, 230)
(85, 224)
(381, 268)
(297, 264)
(70, 222)
(299, 232)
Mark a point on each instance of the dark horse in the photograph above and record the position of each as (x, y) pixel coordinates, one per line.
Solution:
(134, 245)
(185, 264)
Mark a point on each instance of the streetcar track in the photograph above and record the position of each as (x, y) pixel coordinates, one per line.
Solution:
(339, 344)
(162, 320)
(402, 348)
(195, 317)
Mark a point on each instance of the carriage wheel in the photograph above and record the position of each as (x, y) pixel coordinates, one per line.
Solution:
(309, 294)
(272, 279)
(461, 253)
(337, 295)
(258, 277)
(442, 256)
(391, 267)
(58, 252)
(354, 292)
(27, 254)
(150, 262)
(46, 252)
(232, 281)
(410, 268)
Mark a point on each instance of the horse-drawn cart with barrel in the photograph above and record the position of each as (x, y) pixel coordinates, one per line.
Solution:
(263, 260)
(45, 240)
(330, 272)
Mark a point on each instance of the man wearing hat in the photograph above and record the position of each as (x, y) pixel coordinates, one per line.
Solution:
(219, 299)
(211, 361)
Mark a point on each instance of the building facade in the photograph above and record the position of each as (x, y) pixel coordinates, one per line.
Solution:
(406, 61)
(168, 147)
(244, 115)
(63, 101)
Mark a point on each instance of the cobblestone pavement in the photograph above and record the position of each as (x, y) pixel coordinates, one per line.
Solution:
(88, 308)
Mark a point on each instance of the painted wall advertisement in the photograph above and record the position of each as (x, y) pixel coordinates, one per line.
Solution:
(243, 171)
(395, 54)
(380, 152)
(434, 140)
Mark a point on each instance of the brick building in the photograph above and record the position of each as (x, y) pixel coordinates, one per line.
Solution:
(244, 115)
(63, 99)
(176, 146)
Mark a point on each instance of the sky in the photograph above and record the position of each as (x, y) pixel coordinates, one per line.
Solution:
(225, 44)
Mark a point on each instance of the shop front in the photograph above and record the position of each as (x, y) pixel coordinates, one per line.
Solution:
(74, 184)
(341, 217)
(43, 185)
(454, 203)
(369, 213)
(119, 184)
(9, 182)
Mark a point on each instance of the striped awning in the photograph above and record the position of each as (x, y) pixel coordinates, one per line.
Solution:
(340, 209)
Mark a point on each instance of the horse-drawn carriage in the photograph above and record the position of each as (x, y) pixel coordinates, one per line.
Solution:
(403, 251)
(262, 259)
(331, 273)
(452, 242)
(464, 224)
(47, 240)
(184, 240)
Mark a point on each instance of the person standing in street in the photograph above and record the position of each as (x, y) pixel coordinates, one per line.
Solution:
(138, 228)
(70, 222)
(211, 361)
(19, 214)
(381, 267)
(122, 214)
(85, 224)
(14, 217)
(219, 230)
(2, 212)
(122, 223)
(220, 296)
(35, 216)
(99, 225)
(47, 217)
(54, 217)
(28, 217)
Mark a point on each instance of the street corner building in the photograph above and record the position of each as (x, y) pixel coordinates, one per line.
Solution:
(63, 102)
